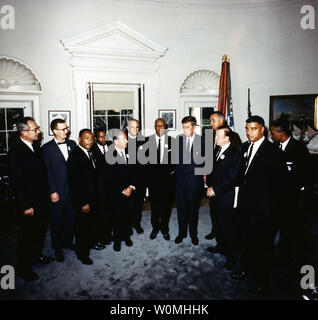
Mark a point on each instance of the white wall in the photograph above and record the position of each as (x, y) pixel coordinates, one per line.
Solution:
(269, 51)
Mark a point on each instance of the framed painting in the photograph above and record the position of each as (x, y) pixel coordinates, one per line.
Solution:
(301, 113)
(55, 114)
(170, 117)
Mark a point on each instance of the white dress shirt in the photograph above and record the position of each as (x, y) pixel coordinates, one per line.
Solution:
(123, 154)
(63, 148)
(131, 137)
(101, 148)
(162, 145)
(190, 140)
(284, 144)
(256, 145)
(28, 143)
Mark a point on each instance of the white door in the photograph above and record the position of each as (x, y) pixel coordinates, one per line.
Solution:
(10, 112)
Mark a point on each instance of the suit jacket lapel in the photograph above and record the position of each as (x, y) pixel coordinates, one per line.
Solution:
(256, 158)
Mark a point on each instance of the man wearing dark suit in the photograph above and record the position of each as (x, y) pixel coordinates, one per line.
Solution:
(189, 185)
(259, 203)
(160, 174)
(297, 162)
(83, 187)
(217, 120)
(55, 154)
(135, 141)
(102, 214)
(221, 190)
(28, 177)
(121, 179)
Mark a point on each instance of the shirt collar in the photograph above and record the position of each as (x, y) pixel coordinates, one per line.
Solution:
(224, 147)
(86, 151)
(28, 143)
(57, 142)
(162, 138)
(119, 151)
(131, 137)
(285, 143)
(258, 142)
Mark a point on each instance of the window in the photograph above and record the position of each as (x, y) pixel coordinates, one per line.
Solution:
(112, 118)
(202, 114)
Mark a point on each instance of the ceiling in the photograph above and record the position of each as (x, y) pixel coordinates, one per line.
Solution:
(221, 4)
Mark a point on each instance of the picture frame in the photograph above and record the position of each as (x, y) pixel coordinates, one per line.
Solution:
(301, 112)
(169, 115)
(59, 114)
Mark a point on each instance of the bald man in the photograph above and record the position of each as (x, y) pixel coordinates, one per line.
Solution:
(160, 176)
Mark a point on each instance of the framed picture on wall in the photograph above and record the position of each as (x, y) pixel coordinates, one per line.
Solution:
(301, 113)
(170, 117)
(55, 114)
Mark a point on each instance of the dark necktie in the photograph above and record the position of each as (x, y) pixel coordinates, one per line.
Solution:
(249, 156)
(159, 151)
(90, 154)
(61, 142)
(104, 150)
(281, 146)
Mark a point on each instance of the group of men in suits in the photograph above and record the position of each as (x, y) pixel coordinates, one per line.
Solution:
(96, 190)
(255, 190)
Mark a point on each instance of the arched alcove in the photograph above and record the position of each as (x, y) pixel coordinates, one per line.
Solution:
(16, 76)
(199, 96)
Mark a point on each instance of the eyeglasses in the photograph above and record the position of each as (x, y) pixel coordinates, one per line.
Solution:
(64, 129)
(35, 129)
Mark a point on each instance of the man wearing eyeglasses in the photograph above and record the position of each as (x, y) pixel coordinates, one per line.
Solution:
(55, 153)
(28, 178)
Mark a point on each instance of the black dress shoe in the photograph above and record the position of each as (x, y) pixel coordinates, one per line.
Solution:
(117, 246)
(238, 275)
(166, 236)
(210, 236)
(59, 257)
(153, 235)
(231, 261)
(86, 260)
(216, 249)
(44, 259)
(178, 239)
(129, 243)
(28, 275)
(258, 293)
(195, 241)
(98, 246)
(139, 230)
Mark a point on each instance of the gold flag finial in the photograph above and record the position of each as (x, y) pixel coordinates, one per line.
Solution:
(226, 58)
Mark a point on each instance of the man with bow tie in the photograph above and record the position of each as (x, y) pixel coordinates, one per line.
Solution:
(221, 190)
(262, 177)
(83, 187)
(121, 182)
(55, 153)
